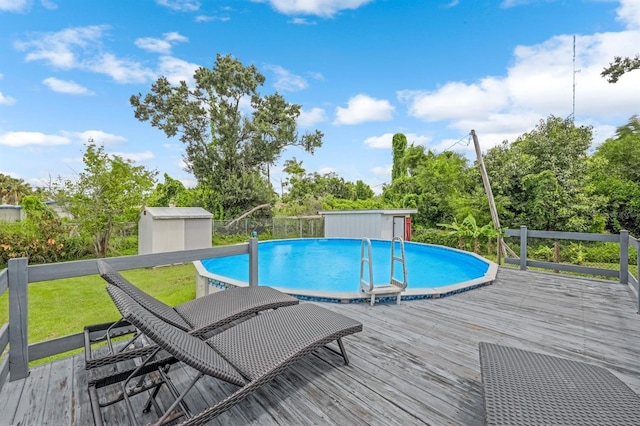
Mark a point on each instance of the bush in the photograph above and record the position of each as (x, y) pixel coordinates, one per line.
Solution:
(434, 236)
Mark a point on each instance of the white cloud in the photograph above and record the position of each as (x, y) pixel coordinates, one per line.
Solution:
(48, 4)
(180, 5)
(384, 141)
(120, 70)
(177, 70)
(536, 85)
(311, 117)
(302, 21)
(382, 170)
(189, 183)
(323, 8)
(135, 156)
(98, 137)
(286, 80)
(62, 86)
(326, 170)
(514, 3)
(61, 49)
(162, 45)
(80, 48)
(20, 139)
(14, 5)
(6, 100)
(629, 13)
(362, 108)
(207, 18)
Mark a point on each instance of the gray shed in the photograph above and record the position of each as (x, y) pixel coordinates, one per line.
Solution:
(10, 213)
(162, 229)
(382, 224)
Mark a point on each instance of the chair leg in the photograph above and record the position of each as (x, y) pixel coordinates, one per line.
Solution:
(178, 401)
(344, 352)
(373, 299)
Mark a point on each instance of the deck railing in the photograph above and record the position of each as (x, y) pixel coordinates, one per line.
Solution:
(19, 275)
(623, 273)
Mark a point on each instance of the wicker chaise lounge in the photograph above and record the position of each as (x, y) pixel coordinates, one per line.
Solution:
(248, 354)
(529, 388)
(198, 317)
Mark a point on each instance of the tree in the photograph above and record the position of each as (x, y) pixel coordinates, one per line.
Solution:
(399, 145)
(543, 173)
(434, 185)
(167, 193)
(109, 190)
(12, 190)
(619, 67)
(615, 176)
(227, 150)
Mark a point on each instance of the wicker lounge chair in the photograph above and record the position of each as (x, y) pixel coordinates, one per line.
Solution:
(198, 317)
(528, 388)
(248, 354)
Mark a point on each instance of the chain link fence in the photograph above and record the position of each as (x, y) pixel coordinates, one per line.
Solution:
(277, 227)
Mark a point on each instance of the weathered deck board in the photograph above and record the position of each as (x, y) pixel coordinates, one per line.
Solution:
(414, 363)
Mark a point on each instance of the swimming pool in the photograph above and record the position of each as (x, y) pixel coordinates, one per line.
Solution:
(328, 269)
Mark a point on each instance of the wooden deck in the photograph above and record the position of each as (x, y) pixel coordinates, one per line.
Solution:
(414, 363)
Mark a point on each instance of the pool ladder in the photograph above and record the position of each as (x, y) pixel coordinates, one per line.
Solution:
(394, 287)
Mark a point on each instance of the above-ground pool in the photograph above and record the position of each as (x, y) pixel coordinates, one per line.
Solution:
(329, 269)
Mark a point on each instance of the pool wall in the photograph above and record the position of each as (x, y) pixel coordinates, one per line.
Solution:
(207, 282)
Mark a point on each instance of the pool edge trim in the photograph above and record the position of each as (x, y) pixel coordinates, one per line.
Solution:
(222, 282)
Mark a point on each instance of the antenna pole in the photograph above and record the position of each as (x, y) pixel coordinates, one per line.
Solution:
(573, 111)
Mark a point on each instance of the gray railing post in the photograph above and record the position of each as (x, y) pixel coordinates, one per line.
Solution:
(18, 344)
(638, 275)
(253, 261)
(523, 248)
(624, 257)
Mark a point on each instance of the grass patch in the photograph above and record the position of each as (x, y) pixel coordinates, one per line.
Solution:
(61, 307)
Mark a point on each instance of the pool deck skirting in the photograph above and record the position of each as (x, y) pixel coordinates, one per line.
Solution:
(415, 363)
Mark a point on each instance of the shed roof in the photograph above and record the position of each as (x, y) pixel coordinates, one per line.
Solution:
(393, 212)
(178, 213)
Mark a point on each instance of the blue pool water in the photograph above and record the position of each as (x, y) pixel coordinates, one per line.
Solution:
(333, 265)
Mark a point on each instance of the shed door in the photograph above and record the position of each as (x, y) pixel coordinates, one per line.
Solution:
(398, 226)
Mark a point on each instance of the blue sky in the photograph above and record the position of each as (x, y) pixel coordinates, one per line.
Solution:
(361, 69)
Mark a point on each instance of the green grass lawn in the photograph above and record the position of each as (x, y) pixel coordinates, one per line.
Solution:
(62, 307)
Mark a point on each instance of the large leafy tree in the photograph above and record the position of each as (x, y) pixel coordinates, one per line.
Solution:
(232, 133)
(619, 67)
(543, 174)
(435, 184)
(615, 176)
(109, 190)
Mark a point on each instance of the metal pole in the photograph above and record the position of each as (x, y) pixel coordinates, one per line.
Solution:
(638, 275)
(18, 342)
(253, 261)
(523, 248)
(624, 257)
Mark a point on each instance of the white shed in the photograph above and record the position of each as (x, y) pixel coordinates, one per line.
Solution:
(162, 229)
(382, 224)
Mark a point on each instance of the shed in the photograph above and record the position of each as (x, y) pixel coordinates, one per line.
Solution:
(162, 229)
(382, 224)
(10, 213)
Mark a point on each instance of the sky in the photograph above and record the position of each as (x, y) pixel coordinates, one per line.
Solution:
(362, 70)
